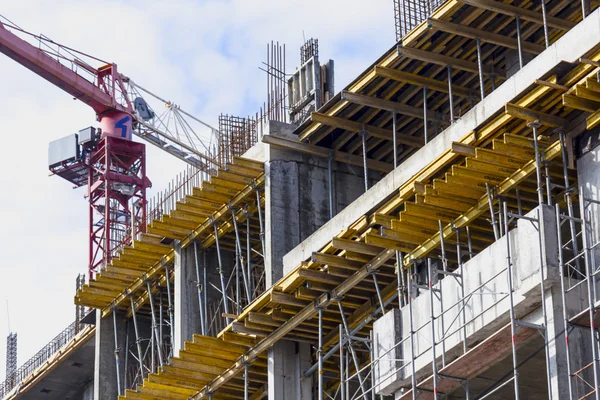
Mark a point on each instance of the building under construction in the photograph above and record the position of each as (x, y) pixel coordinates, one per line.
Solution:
(431, 231)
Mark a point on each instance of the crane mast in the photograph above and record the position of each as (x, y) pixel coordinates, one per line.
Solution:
(107, 160)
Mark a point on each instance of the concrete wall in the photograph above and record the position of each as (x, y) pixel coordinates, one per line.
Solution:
(487, 308)
(588, 175)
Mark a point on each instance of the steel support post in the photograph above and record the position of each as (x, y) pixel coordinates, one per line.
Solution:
(492, 214)
(513, 321)
(352, 351)
(413, 375)
(400, 278)
(480, 66)
(117, 350)
(138, 340)
(585, 10)
(240, 256)
(161, 319)
(249, 256)
(591, 289)
(569, 199)
(538, 167)
(461, 279)
(205, 297)
(246, 379)
(469, 243)
(372, 356)
(320, 355)
(561, 265)
(379, 297)
(395, 138)
(544, 309)
(425, 130)
(221, 275)
(545, 19)
(260, 222)
(519, 40)
(330, 182)
(432, 323)
(200, 288)
(450, 94)
(519, 205)
(170, 309)
(548, 184)
(341, 342)
(363, 136)
(154, 324)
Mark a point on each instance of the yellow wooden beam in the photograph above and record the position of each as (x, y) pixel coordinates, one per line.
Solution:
(532, 116)
(355, 126)
(418, 80)
(474, 33)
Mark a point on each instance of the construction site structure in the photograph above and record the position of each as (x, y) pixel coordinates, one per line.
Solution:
(432, 231)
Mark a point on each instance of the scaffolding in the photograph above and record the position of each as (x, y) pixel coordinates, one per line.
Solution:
(453, 209)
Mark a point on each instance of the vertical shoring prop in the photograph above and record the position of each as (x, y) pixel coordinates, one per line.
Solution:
(569, 199)
(138, 340)
(249, 256)
(117, 350)
(545, 19)
(260, 222)
(246, 379)
(221, 275)
(373, 362)
(400, 278)
(519, 40)
(492, 214)
(395, 137)
(513, 321)
(363, 136)
(329, 182)
(154, 324)
(584, 8)
(469, 243)
(413, 376)
(445, 269)
(378, 291)
(341, 342)
(450, 94)
(200, 288)
(538, 167)
(548, 183)
(461, 278)
(170, 309)
(544, 310)
(561, 265)
(352, 351)
(240, 256)
(480, 66)
(425, 131)
(591, 289)
(320, 354)
(432, 315)
(205, 286)
(161, 319)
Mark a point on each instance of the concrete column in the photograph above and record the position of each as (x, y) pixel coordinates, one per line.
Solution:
(282, 218)
(105, 368)
(588, 176)
(187, 308)
(286, 364)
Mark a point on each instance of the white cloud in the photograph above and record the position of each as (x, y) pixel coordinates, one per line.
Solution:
(203, 55)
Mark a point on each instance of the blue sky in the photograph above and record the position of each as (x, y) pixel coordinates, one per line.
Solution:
(203, 55)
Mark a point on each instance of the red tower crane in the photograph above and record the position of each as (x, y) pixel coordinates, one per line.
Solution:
(107, 160)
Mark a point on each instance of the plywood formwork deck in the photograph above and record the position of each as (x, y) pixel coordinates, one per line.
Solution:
(192, 219)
